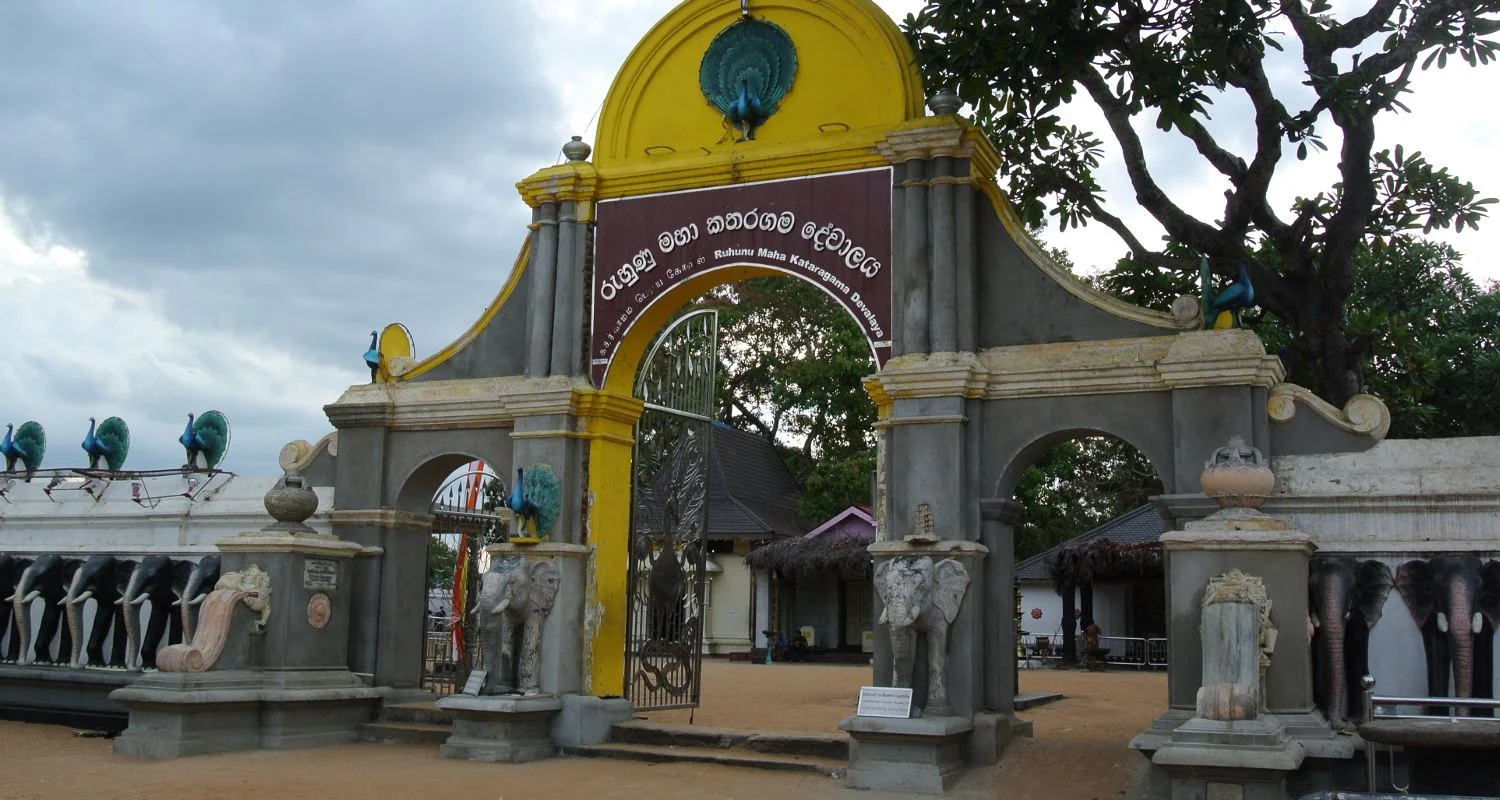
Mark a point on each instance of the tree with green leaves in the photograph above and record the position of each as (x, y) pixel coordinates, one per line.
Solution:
(1170, 63)
(1078, 485)
(792, 365)
(1430, 332)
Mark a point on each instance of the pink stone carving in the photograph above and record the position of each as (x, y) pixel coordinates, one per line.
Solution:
(208, 640)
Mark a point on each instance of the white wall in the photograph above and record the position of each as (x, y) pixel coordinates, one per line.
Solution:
(1111, 609)
(728, 606)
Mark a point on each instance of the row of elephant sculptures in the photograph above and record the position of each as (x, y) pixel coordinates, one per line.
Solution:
(119, 586)
(1454, 600)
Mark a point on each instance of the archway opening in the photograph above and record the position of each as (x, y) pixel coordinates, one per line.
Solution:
(1090, 589)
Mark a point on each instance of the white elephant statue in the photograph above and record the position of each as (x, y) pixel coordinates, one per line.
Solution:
(514, 600)
(921, 597)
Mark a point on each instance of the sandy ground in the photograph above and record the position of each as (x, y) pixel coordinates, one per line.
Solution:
(1079, 753)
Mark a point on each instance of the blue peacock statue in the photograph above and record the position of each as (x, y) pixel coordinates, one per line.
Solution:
(1222, 311)
(372, 356)
(535, 498)
(108, 441)
(28, 445)
(206, 438)
(747, 71)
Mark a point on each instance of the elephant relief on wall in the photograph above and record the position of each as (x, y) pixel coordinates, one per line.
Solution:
(921, 598)
(515, 598)
(1345, 599)
(1455, 601)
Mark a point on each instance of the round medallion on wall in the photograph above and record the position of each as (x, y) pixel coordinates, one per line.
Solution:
(319, 609)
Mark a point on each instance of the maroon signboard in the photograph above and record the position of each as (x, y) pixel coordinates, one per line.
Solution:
(834, 230)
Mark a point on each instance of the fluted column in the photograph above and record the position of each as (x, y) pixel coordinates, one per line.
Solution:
(942, 303)
(543, 268)
(916, 280)
(566, 354)
(966, 268)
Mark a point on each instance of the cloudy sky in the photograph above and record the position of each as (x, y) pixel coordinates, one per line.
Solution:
(209, 203)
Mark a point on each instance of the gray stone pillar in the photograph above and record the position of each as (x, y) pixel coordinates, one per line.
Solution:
(943, 302)
(966, 255)
(999, 535)
(388, 589)
(567, 353)
(915, 254)
(543, 267)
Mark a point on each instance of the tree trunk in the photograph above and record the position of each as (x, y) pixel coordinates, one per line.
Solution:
(1069, 627)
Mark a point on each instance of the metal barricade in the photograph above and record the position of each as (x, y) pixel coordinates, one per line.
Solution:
(1156, 652)
(1124, 650)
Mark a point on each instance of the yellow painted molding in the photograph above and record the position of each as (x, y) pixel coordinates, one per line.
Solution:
(576, 180)
(428, 364)
(856, 80)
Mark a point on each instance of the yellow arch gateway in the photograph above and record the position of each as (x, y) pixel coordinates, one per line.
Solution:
(854, 84)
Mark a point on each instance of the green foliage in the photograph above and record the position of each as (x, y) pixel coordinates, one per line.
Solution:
(792, 365)
(1078, 485)
(1167, 62)
(1427, 330)
(442, 559)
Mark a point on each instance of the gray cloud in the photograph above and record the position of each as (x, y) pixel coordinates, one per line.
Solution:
(309, 169)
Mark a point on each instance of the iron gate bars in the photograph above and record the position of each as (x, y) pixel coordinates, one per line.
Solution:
(669, 515)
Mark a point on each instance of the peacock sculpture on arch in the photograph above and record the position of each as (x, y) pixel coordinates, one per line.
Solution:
(535, 498)
(107, 441)
(26, 445)
(372, 356)
(1222, 310)
(747, 71)
(206, 440)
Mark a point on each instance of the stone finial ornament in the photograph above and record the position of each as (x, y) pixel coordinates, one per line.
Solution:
(1237, 476)
(577, 150)
(922, 529)
(944, 102)
(290, 502)
(250, 588)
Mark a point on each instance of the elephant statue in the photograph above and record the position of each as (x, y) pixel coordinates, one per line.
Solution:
(47, 577)
(250, 588)
(11, 568)
(1451, 597)
(191, 584)
(96, 579)
(514, 599)
(150, 580)
(921, 597)
(1345, 599)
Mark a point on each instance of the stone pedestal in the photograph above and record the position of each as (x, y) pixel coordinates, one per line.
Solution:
(500, 728)
(920, 756)
(1239, 760)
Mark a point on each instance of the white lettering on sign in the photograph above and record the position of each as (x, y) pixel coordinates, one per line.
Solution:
(318, 573)
(884, 701)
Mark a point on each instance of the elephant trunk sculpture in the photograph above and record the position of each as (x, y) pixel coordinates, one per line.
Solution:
(921, 597)
(1450, 598)
(203, 576)
(515, 598)
(45, 578)
(1345, 600)
(151, 580)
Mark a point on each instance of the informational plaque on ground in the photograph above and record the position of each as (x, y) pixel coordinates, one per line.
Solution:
(884, 701)
(475, 682)
(319, 573)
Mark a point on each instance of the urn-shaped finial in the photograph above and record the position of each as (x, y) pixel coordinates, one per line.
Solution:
(944, 102)
(577, 149)
(290, 502)
(1237, 476)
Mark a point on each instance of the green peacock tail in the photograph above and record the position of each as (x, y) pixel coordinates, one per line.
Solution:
(33, 442)
(544, 491)
(213, 428)
(115, 435)
(753, 53)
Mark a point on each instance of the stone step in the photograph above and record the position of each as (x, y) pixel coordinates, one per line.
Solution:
(660, 754)
(415, 712)
(834, 746)
(422, 733)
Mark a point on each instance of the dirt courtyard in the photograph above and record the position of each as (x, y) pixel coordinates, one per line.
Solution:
(1079, 752)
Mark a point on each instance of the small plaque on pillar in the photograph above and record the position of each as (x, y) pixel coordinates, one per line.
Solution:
(884, 701)
(475, 684)
(319, 573)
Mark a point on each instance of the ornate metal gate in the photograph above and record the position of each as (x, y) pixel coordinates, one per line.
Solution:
(669, 515)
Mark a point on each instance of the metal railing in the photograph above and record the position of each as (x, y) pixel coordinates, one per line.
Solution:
(1127, 651)
(1372, 704)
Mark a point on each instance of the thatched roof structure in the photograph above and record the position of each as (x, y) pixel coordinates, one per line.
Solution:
(1105, 561)
(846, 556)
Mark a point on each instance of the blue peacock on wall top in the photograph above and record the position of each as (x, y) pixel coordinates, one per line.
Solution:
(107, 443)
(206, 440)
(747, 71)
(25, 446)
